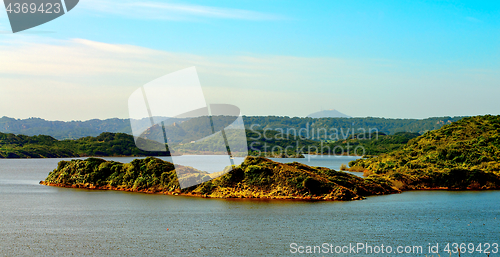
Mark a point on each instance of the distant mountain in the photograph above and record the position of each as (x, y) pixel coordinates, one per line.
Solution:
(332, 113)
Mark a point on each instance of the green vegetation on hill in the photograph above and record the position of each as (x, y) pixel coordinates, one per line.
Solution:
(365, 144)
(273, 144)
(106, 144)
(256, 177)
(20, 146)
(464, 154)
(150, 173)
(119, 144)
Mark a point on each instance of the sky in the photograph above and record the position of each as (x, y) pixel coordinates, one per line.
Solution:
(392, 59)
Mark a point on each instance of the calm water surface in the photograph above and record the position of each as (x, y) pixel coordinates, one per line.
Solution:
(45, 221)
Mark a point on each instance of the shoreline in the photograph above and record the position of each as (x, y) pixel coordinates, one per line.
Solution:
(178, 192)
(110, 156)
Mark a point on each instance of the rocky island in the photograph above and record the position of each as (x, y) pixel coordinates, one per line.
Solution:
(256, 177)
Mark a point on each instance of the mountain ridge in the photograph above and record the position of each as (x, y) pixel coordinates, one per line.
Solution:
(78, 129)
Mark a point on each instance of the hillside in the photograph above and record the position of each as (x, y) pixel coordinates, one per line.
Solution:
(119, 144)
(256, 177)
(106, 144)
(464, 154)
(62, 129)
(365, 144)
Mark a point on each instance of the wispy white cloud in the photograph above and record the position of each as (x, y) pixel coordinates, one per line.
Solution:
(172, 11)
(83, 79)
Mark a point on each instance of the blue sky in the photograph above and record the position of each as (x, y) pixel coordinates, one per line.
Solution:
(394, 59)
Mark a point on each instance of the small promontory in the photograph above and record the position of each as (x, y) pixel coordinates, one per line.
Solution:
(462, 155)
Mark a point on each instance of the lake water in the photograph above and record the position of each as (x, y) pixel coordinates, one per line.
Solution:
(46, 221)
